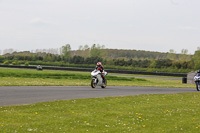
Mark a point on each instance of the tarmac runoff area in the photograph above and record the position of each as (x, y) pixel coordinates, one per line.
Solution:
(20, 95)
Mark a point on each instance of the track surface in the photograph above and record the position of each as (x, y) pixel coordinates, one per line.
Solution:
(33, 94)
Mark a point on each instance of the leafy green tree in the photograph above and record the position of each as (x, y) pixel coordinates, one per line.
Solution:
(95, 50)
(183, 55)
(93, 60)
(83, 51)
(1, 59)
(66, 52)
(184, 51)
(49, 57)
(163, 63)
(129, 62)
(109, 61)
(86, 50)
(196, 60)
(77, 60)
(145, 63)
(153, 63)
(171, 55)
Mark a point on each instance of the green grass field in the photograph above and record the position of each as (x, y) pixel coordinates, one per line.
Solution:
(24, 77)
(139, 114)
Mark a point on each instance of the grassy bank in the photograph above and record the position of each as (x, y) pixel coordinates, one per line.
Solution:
(133, 68)
(143, 113)
(52, 74)
(24, 77)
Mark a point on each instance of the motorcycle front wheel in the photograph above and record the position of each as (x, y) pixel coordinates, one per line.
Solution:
(93, 84)
(104, 84)
(197, 86)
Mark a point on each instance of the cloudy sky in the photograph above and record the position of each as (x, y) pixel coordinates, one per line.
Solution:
(153, 25)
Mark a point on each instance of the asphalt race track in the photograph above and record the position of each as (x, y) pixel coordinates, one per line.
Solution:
(19, 95)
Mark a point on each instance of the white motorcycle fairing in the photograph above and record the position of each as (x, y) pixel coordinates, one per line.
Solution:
(197, 82)
(97, 79)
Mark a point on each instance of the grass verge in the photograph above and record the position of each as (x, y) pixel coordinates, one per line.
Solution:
(146, 82)
(142, 113)
(21, 77)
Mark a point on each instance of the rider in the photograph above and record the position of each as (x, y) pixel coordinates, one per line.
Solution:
(198, 73)
(101, 68)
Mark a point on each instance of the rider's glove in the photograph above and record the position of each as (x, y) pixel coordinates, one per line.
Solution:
(100, 69)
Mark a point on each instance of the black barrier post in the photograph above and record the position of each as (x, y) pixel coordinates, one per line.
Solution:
(184, 80)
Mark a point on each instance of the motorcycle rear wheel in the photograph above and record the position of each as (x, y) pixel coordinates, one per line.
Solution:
(197, 86)
(93, 84)
(105, 84)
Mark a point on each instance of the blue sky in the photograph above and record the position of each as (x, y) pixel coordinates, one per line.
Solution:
(153, 25)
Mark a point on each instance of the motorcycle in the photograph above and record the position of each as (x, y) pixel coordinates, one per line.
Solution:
(97, 79)
(197, 82)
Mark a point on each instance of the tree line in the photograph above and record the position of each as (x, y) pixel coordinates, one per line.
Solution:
(109, 57)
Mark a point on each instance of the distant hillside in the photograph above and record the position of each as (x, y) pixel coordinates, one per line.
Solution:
(113, 54)
(138, 54)
(25, 53)
(141, 54)
(136, 60)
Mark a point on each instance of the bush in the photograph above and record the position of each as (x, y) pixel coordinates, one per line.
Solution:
(26, 63)
(14, 63)
(20, 62)
(6, 62)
